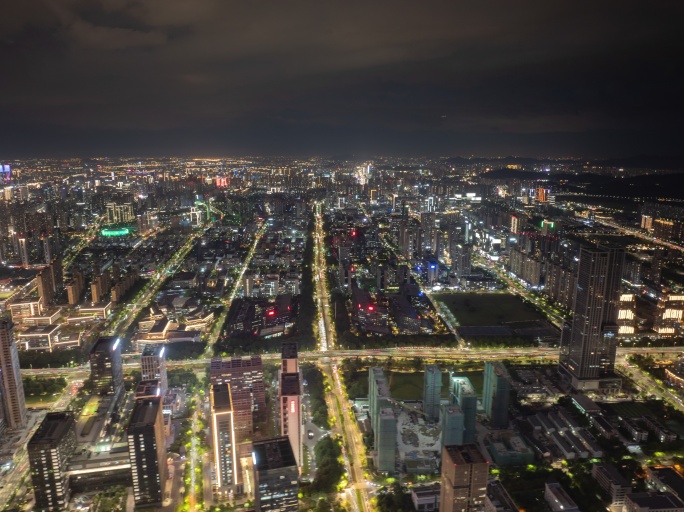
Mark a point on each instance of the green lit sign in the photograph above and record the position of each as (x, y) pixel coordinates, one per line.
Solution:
(115, 232)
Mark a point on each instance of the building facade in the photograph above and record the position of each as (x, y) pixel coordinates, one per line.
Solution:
(48, 451)
(275, 476)
(147, 452)
(465, 472)
(588, 347)
(11, 386)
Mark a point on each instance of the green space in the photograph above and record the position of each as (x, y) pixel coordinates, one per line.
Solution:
(5, 295)
(316, 384)
(36, 386)
(405, 385)
(629, 409)
(41, 400)
(58, 359)
(488, 308)
(330, 472)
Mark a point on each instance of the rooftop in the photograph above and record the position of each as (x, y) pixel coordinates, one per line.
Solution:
(53, 428)
(289, 350)
(656, 500)
(145, 412)
(289, 384)
(104, 344)
(221, 393)
(466, 454)
(273, 453)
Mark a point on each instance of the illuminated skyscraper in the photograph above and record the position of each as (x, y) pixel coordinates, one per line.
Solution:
(588, 347)
(153, 366)
(147, 452)
(48, 451)
(11, 386)
(223, 438)
(106, 368)
(291, 412)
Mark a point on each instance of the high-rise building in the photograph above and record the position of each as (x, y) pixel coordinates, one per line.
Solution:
(244, 374)
(383, 421)
(432, 391)
(465, 472)
(291, 412)
(588, 347)
(153, 366)
(11, 386)
(275, 476)
(147, 452)
(223, 438)
(106, 368)
(23, 252)
(290, 358)
(46, 287)
(453, 425)
(515, 224)
(49, 450)
(496, 394)
(462, 393)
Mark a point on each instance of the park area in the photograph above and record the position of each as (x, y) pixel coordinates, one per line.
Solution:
(482, 309)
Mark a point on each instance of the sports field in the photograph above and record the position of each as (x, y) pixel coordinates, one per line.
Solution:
(488, 308)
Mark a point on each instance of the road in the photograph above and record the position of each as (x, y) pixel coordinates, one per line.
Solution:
(228, 301)
(353, 449)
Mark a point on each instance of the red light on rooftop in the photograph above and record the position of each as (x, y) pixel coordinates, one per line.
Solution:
(271, 312)
(371, 308)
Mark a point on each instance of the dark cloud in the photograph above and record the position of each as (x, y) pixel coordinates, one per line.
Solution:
(121, 76)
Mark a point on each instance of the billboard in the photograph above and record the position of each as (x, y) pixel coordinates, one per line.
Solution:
(5, 172)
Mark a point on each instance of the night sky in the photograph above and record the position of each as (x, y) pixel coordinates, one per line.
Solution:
(214, 78)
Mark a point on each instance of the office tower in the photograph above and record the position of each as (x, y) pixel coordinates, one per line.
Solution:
(462, 393)
(275, 476)
(383, 420)
(290, 361)
(244, 374)
(153, 366)
(11, 386)
(464, 479)
(460, 260)
(147, 452)
(432, 390)
(427, 223)
(47, 249)
(495, 395)
(49, 450)
(588, 347)
(452, 421)
(23, 252)
(106, 369)
(291, 412)
(223, 438)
